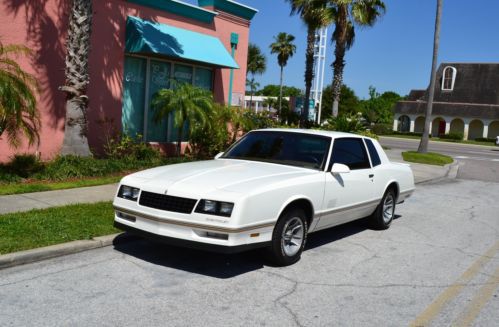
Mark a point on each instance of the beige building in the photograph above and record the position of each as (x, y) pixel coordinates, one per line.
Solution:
(466, 101)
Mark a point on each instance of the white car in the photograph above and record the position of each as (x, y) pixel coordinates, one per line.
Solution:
(497, 140)
(269, 189)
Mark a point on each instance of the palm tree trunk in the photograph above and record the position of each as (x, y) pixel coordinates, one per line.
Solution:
(280, 93)
(339, 66)
(77, 78)
(309, 73)
(423, 145)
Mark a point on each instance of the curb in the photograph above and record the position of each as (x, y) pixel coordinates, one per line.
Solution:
(451, 173)
(434, 141)
(52, 251)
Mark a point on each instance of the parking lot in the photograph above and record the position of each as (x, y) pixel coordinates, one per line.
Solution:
(437, 265)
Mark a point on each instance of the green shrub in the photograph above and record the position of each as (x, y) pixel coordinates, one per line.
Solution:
(482, 139)
(214, 137)
(24, 165)
(408, 133)
(124, 146)
(381, 129)
(345, 123)
(369, 134)
(452, 136)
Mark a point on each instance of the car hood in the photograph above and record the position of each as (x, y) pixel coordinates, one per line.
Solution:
(200, 177)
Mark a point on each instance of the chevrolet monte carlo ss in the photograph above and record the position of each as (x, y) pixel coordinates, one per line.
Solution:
(269, 189)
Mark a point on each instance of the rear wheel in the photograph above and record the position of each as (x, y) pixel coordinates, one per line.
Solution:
(289, 237)
(382, 217)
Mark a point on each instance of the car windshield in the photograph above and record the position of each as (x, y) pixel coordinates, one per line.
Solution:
(287, 148)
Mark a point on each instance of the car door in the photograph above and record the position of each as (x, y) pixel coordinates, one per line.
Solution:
(348, 196)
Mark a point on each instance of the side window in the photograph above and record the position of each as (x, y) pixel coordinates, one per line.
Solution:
(373, 153)
(350, 152)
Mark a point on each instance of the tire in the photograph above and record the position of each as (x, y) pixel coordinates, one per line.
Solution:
(383, 216)
(286, 250)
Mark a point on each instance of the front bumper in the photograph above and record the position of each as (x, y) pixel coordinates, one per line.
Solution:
(188, 233)
(190, 244)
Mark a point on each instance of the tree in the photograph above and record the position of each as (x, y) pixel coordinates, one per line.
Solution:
(284, 47)
(350, 103)
(257, 64)
(189, 104)
(253, 85)
(423, 145)
(18, 112)
(378, 108)
(77, 78)
(314, 15)
(274, 90)
(346, 14)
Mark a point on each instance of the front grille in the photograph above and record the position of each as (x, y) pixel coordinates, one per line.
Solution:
(166, 202)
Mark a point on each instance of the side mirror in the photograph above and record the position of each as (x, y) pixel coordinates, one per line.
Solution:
(339, 169)
(219, 155)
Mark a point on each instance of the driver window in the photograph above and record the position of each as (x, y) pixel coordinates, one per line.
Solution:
(350, 152)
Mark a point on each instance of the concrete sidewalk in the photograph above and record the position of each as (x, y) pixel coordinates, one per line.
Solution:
(40, 200)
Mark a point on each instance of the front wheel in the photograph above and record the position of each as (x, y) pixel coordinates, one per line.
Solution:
(382, 217)
(289, 237)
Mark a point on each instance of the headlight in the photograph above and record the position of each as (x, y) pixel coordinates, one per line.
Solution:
(129, 193)
(218, 208)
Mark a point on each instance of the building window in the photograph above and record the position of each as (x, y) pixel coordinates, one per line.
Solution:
(448, 78)
(143, 77)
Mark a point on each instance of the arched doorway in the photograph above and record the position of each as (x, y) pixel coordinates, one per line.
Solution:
(493, 130)
(437, 127)
(475, 129)
(419, 125)
(404, 123)
(457, 126)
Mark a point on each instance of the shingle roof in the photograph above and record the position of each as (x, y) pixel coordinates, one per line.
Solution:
(475, 93)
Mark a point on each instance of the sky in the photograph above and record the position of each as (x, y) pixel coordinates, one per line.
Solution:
(395, 54)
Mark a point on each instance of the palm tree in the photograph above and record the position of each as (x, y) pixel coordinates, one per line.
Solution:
(315, 16)
(285, 48)
(257, 64)
(77, 78)
(423, 145)
(189, 104)
(253, 86)
(18, 112)
(347, 14)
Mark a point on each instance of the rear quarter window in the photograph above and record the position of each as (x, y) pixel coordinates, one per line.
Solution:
(373, 153)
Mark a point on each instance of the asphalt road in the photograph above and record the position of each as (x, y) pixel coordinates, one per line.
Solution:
(475, 162)
(437, 265)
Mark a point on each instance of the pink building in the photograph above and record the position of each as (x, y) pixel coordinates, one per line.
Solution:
(138, 46)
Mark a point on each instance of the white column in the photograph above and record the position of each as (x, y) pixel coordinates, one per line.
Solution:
(466, 129)
(395, 124)
(485, 130)
(447, 127)
(411, 128)
(256, 106)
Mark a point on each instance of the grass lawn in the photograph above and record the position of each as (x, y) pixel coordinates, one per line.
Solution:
(42, 227)
(429, 158)
(39, 186)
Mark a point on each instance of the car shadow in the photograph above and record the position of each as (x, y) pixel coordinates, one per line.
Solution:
(218, 265)
(211, 264)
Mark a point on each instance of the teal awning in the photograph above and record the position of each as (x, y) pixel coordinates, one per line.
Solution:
(144, 36)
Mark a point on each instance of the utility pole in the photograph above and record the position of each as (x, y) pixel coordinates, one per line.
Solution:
(320, 64)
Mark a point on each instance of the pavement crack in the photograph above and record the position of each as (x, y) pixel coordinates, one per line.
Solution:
(278, 300)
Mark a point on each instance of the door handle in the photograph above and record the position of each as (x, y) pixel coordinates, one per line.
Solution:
(371, 175)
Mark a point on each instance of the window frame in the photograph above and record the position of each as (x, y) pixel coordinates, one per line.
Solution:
(452, 78)
(146, 105)
(364, 149)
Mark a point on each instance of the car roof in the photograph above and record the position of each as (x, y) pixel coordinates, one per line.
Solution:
(332, 134)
